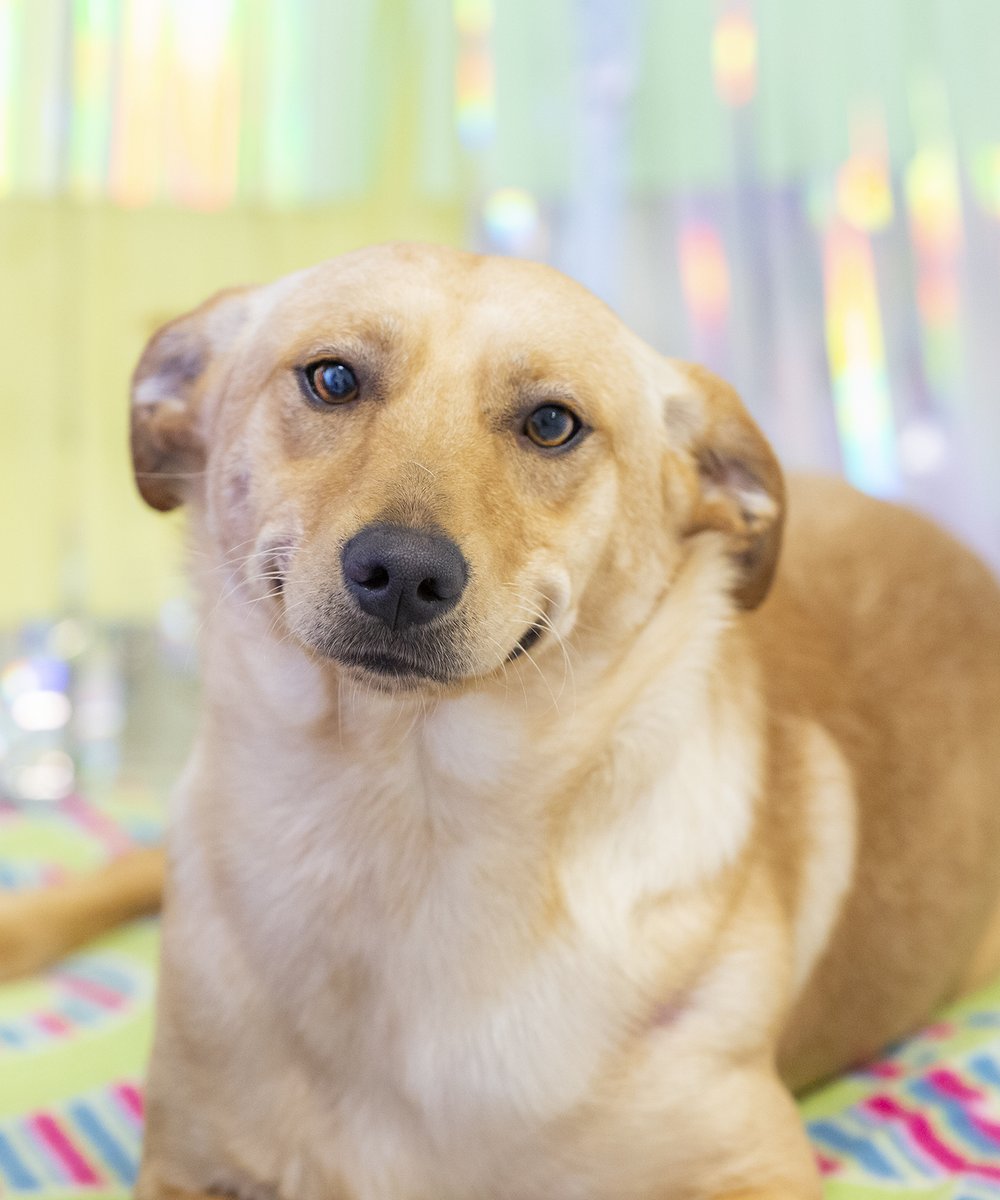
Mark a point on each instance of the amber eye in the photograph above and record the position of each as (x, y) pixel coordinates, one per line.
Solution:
(332, 382)
(552, 426)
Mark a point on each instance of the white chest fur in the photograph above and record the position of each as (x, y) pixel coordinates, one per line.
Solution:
(452, 968)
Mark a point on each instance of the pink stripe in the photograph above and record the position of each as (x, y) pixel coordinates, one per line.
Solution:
(79, 1169)
(102, 827)
(884, 1070)
(949, 1084)
(52, 1023)
(826, 1165)
(920, 1130)
(96, 992)
(132, 1099)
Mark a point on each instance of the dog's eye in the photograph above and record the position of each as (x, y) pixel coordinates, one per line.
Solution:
(332, 382)
(552, 426)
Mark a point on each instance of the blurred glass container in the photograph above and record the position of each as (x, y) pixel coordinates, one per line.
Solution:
(107, 710)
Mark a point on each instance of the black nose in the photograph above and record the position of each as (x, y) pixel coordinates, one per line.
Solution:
(403, 576)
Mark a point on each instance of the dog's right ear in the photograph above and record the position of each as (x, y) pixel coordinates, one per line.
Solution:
(168, 390)
(735, 483)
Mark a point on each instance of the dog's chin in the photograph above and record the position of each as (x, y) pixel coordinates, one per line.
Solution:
(385, 672)
(390, 668)
(389, 662)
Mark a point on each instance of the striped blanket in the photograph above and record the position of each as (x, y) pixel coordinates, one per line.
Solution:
(923, 1122)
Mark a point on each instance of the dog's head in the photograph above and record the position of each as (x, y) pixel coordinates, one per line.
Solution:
(435, 464)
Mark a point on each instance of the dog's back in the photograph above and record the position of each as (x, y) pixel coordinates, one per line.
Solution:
(886, 632)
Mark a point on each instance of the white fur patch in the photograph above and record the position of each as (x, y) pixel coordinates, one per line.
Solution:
(156, 389)
(686, 823)
(474, 740)
(830, 858)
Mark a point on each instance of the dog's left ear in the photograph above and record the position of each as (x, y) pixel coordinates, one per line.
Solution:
(737, 485)
(169, 389)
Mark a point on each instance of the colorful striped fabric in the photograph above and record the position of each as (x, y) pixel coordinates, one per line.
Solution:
(73, 1042)
(90, 1144)
(922, 1123)
(84, 994)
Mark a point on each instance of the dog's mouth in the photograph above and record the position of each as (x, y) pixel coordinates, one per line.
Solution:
(529, 638)
(400, 667)
(393, 667)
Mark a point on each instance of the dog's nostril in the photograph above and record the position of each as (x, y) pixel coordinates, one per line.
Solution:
(428, 590)
(378, 577)
(369, 575)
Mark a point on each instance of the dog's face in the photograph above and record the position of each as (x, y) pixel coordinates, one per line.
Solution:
(436, 464)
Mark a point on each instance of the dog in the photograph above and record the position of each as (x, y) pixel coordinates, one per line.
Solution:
(570, 790)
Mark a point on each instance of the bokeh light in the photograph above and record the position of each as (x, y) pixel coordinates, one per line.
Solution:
(734, 57)
(923, 447)
(40, 710)
(49, 777)
(864, 193)
(512, 221)
(934, 201)
(704, 274)
(8, 80)
(862, 404)
(986, 178)
(475, 99)
(933, 198)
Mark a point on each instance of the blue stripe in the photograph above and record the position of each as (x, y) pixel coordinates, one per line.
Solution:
(922, 1166)
(82, 1011)
(100, 972)
(907, 1160)
(126, 1131)
(17, 1174)
(118, 1159)
(10, 1036)
(859, 1149)
(987, 1069)
(35, 1154)
(983, 1020)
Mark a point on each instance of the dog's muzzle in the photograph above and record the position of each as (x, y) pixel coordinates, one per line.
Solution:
(399, 585)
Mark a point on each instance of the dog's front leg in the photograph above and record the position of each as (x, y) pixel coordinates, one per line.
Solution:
(150, 1187)
(177, 1194)
(778, 1192)
(738, 1136)
(779, 1161)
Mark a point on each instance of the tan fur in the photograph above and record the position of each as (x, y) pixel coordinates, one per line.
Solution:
(549, 927)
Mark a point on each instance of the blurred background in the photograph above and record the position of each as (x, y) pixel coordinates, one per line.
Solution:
(803, 195)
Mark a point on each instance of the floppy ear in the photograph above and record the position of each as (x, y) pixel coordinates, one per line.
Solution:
(168, 386)
(738, 486)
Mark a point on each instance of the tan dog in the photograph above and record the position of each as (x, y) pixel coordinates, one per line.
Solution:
(521, 854)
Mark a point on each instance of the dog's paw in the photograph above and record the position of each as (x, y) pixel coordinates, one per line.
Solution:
(24, 942)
